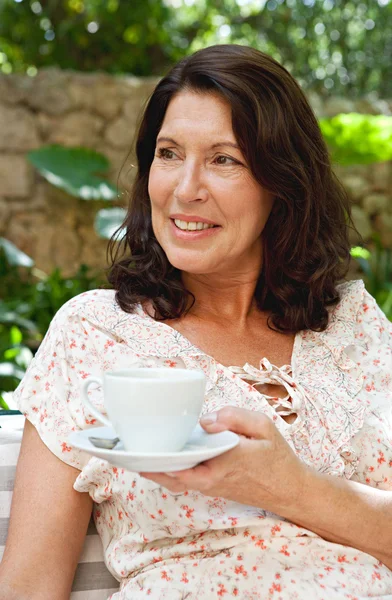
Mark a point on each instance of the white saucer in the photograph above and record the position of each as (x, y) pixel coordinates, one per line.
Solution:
(200, 447)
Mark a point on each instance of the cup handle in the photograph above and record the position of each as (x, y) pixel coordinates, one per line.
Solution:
(88, 404)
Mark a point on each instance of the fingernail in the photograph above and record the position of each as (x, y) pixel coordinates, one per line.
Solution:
(171, 474)
(209, 418)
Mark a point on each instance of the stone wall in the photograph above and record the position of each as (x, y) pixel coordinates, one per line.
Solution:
(101, 112)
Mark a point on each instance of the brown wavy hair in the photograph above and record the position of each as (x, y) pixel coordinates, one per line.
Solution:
(306, 249)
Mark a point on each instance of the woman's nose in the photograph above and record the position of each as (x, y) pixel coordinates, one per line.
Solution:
(190, 186)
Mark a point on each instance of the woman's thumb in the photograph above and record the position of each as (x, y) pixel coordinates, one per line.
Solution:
(251, 424)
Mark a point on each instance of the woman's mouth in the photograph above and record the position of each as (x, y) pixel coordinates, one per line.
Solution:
(192, 230)
(192, 225)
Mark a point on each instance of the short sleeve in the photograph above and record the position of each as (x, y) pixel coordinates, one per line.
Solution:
(49, 394)
(373, 325)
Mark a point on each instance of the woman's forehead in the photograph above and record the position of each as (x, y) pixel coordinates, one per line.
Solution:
(199, 114)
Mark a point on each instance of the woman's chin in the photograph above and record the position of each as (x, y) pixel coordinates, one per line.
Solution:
(191, 264)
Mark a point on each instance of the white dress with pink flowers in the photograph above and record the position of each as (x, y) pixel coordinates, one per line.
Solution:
(174, 546)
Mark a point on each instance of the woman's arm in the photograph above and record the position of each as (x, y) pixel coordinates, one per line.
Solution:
(48, 525)
(345, 512)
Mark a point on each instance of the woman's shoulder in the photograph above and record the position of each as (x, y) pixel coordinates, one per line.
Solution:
(343, 317)
(92, 298)
(97, 313)
(351, 298)
(98, 305)
(357, 313)
(353, 285)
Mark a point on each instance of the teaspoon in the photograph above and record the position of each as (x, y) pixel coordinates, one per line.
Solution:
(106, 443)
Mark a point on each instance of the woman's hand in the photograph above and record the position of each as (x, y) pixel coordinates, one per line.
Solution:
(262, 470)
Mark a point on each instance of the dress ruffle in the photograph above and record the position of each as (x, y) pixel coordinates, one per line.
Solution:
(269, 373)
(96, 479)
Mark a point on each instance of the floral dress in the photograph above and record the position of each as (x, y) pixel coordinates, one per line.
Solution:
(173, 546)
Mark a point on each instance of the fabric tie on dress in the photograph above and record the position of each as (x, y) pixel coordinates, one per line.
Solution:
(269, 373)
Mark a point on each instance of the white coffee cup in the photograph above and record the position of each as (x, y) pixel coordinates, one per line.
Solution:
(151, 410)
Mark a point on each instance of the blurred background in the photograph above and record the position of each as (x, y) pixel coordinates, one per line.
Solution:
(74, 77)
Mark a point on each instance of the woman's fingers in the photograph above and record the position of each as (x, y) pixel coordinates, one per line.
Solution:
(199, 478)
(251, 424)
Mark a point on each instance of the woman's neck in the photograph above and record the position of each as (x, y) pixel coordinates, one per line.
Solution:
(223, 298)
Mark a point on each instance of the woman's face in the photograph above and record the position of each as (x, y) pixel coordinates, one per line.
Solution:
(208, 212)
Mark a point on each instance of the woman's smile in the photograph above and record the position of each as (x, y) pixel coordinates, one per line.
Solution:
(192, 228)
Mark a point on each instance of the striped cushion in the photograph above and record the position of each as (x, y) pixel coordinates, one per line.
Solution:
(92, 579)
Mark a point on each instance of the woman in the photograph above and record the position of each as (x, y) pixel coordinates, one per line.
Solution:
(238, 234)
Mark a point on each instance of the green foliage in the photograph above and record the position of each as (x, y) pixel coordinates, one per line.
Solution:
(334, 46)
(48, 295)
(14, 355)
(30, 299)
(86, 35)
(74, 170)
(354, 138)
(376, 266)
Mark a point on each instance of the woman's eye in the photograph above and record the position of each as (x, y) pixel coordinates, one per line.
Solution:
(165, 153)
(225, 160)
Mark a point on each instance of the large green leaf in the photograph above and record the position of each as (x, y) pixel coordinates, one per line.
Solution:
(14, 256)
(354, 138)
(108, 220)
(74, 170)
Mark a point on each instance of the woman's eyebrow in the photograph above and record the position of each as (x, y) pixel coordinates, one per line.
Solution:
(167, 139)
(222, 143)
(226, 143)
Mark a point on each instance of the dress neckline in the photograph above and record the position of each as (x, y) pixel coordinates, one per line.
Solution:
(199, 352)
(235, 371)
